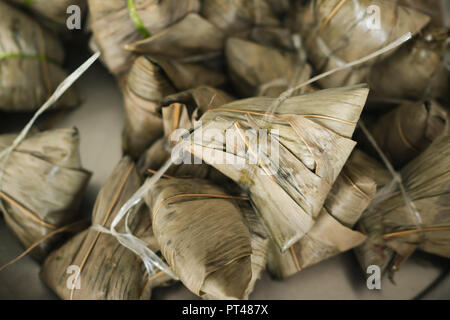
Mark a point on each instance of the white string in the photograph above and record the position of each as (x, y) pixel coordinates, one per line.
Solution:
(285, 95)
(127, 239)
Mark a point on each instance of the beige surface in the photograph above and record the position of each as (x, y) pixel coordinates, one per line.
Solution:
(99, 120)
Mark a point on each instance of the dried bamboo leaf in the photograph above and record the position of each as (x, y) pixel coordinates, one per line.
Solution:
(337, 32)
(394, 231)
(218, 265)
(191, 38)
(272, 37)
(150, 79)
(432, 8)
(181, 110)
(260, 244)
(372, 167)
(145, 87)
(186, 76)
(416, 71)
(280, 7)
(257, 70)
(238, 16)
(409, 129)
(42, 186)
(332, 233)
(113, 26)
(30, 63)
(108, 270)
(314, 143)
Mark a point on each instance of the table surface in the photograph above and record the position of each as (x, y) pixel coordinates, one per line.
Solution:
(99, 120)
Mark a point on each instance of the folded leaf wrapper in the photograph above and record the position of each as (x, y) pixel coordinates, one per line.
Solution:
(191, 39)
(150, 79)
(416, 71)
(257, 70)
(260, 246)
(42, 186)
(116, 23)
(394, 229)
(337, 32)
(30, 63)
(203, 236)
(107, 270)
(145, 87)
(238, 17)
(332, 233)
(310, 140)
(180, 112)
(432, 8)
(372, 168)
(409, 129)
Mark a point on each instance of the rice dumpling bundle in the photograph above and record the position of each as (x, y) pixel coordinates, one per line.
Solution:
(310, 140)
(332, 233)
(30, 63)
(202, 236)
(237, 17)
(394, 229)
(257, 70)
(415, 71)
(116, 23)
(337, 32)
(42, 185)
(409, 129)
(107, 270)
(53, 13)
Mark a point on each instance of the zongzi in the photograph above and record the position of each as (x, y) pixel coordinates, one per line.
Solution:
(398, 224)
(203, 236)
(409, 129)
(338, 31)
(30, 63)
(106, 269)
(116, 23)
(310, 140)
(41, 186)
